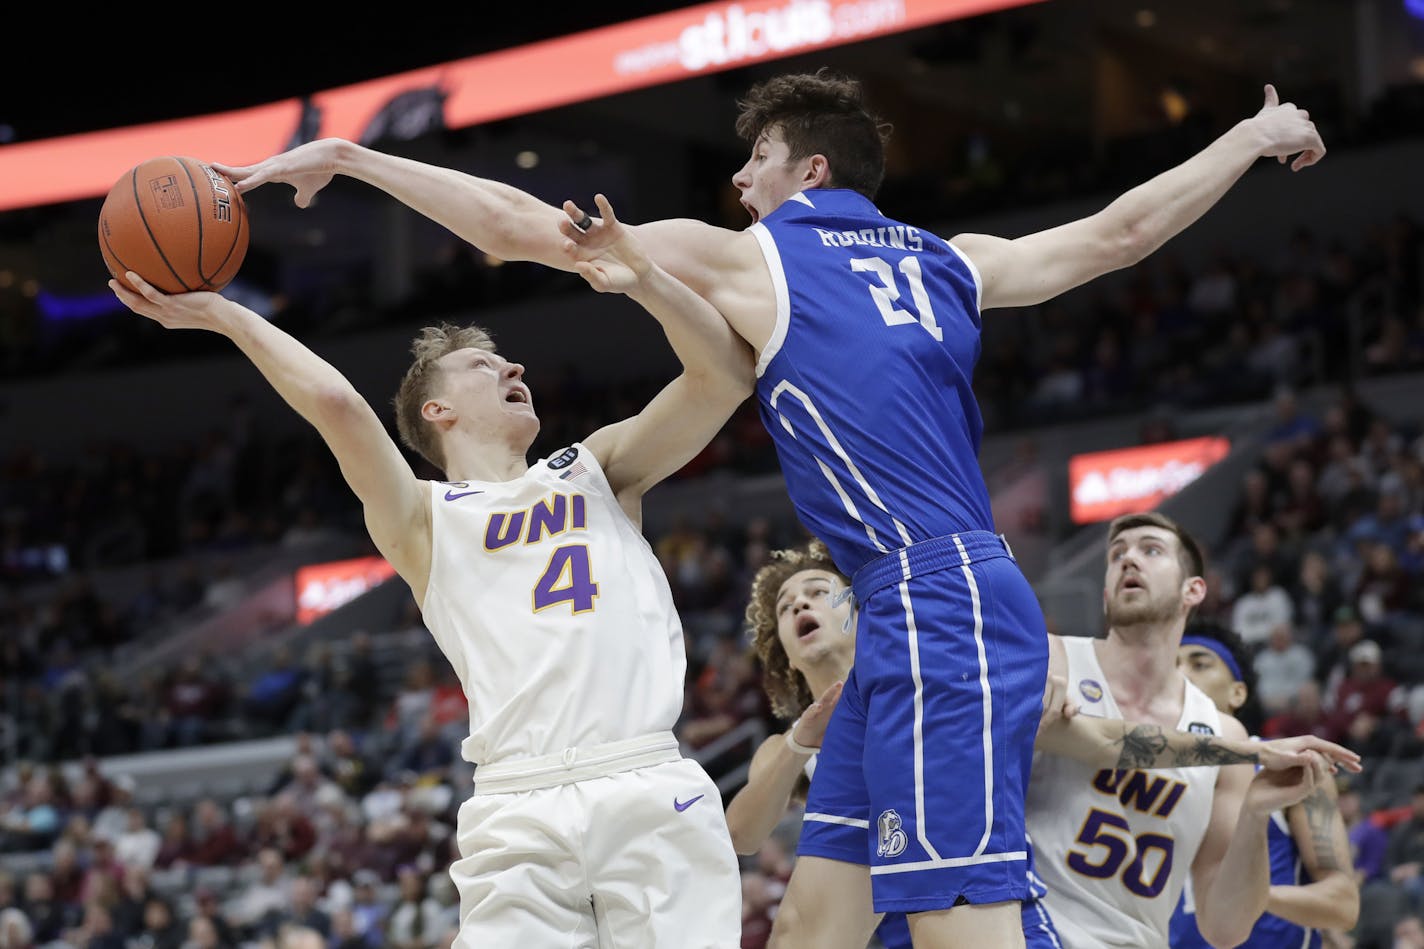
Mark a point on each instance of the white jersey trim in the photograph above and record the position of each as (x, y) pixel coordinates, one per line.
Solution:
(783, 295)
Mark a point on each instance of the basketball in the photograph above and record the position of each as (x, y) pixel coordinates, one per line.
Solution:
(175, 221)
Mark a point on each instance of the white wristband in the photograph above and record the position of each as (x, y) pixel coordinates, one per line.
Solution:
(795, 745)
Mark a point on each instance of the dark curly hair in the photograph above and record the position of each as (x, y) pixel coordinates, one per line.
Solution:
(820, 113)
(785, 687)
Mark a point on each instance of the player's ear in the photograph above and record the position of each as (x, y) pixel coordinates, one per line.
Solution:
(437, 410)
(1237, 697)
(1194, 591)
(817, 173)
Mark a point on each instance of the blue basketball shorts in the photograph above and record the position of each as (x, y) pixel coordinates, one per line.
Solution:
(925, 761)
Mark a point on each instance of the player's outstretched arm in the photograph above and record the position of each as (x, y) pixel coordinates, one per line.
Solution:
(396, 506)
(717, 370)
(1040, 266)
(775, 770)
(1332, 899)
(495, 217)
(1113, 743)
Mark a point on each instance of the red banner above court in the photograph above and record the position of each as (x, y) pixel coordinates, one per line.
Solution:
(650, 51)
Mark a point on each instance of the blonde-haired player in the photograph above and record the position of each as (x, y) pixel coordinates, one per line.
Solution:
(586, 826)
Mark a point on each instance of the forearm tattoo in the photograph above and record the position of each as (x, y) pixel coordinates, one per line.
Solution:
(1141, 746)
(1146, 746)
(1320, 818)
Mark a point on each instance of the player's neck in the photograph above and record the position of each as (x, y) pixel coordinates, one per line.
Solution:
(821, 675)
(1140, 663)
(472, 460)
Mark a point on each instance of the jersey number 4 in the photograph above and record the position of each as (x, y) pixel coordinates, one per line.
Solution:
(1111, 832)
(567, 579)
(887, 293)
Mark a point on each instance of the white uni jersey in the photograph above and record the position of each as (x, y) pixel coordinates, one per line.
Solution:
(553, 610)
(1115, 848)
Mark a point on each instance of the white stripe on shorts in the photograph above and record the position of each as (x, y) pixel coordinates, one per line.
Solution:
(952, 862)
(833, 819)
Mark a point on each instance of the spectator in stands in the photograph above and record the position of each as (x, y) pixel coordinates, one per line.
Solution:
(160, 929)
(430, 752)
(1315, 597)
(67, 872)
(96, 929)
(194, 699)
(1366, 689)
(206, 907)
(364, 677)
(1282, 669)
(302, 909)
(1384, 590)
(1369, 841)
(15, 930)
(282, 827)
(1333, 660)
(33, 824)
(175, 850)
(203, 934)
(1262, 608)
(343, 761)
(47, 916)
(268, 892)
(134, 891)
(139, 844)
(275, 692)
(215, 842)
(416, 920)
(1303, 715)
(368, 912)
(307, 784)
(1405, 856)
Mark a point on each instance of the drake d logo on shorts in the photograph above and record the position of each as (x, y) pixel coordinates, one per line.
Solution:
(892, 838)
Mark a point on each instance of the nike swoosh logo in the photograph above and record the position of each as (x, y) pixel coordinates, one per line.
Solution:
(456, 495)
(681, 806)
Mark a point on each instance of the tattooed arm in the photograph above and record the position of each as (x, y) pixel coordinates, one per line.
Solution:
(1332, 899)
(1112, 743)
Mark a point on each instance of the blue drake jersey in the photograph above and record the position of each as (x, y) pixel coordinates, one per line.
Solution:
(1270, 932)
(866, 382)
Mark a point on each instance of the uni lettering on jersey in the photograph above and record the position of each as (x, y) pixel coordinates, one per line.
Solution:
(547, 517)
(1140, 790)
(896, 237)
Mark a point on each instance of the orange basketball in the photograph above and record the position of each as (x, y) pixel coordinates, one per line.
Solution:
(177, 222)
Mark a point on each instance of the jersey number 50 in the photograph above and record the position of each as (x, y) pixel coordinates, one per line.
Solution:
(1111, 832)
(888, 292)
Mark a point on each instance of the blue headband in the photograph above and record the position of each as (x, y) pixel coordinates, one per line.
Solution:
(1218, 648)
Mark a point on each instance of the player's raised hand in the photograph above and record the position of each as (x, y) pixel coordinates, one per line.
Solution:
(171, 310)
(307, 168)
(1276, 790)
(604, 252)
(1283, 753)
(1288, 131)
(810, 728)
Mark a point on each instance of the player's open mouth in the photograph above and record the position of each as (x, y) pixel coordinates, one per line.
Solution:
(517, 395)
(751, 210)
(806, 624)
